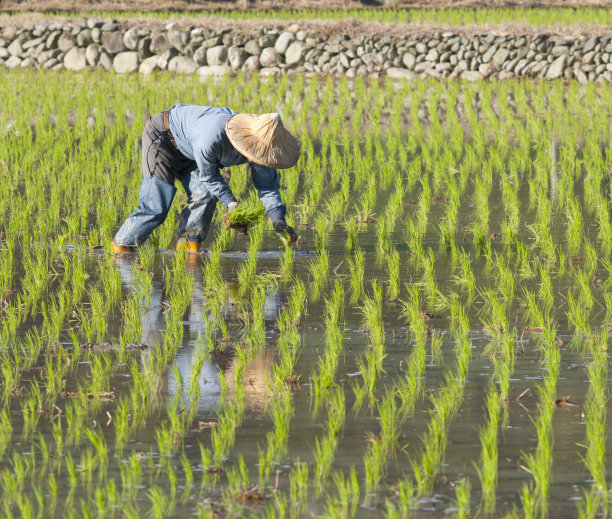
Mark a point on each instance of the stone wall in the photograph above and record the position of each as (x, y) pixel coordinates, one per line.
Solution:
(124, 48)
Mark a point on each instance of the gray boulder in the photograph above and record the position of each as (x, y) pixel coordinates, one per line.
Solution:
(270, 71)
(75, 59)
(126, 62)
(12, 62)
(51, 42)
(148, 65)
(113, 42)
(92, 23)
(175, 39)
(111, 26)
(283, 42)
(84, 38)
(144, 48)
(159, 44)
(213, 70)
(216, 55)
(269, 57)
(500, 56)
(182, 65)
(556, 67)
(400, 73)
(199, 56)
(164, 59)
(471, 75)
(65, 42)
(130, 39)
(251, 64)
(409, 60)
(92, 54)
(15, 49)
(267, 40)
(236, 57)
(294, 55)
(252, 47)
(212, 42)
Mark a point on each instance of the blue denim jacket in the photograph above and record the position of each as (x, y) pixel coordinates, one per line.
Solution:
(199, 133)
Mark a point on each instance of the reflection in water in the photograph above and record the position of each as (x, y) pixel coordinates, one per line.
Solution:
(154, 324)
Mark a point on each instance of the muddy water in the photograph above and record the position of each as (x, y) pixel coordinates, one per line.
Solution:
(516, 436)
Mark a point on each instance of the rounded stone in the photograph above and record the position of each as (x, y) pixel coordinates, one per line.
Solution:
(283, 42)
(130, 39)
(214, 70)
(126, 62)
(199, 56)
(148, 65)
(236, 57)
(294, 55)
(113, 42)
(251, 64)
(159, 44)
(12, 62)
(15, 49)
(269, 57)
(252, 47)
(92, 54)
(75, 59)
(84, 38)
(106, 62)
(65, 42)
(182, 65)
(216, 55)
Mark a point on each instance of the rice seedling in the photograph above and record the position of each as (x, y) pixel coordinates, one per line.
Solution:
(452, 185)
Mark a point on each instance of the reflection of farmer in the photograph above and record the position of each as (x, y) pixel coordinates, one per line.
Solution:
(191, 143)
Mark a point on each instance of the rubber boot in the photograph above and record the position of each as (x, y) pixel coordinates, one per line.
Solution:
(118, 249)
(188, 246)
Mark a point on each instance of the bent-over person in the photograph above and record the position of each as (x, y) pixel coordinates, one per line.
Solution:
(191, 144)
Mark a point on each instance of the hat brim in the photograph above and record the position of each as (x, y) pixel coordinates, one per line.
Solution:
(278, 155)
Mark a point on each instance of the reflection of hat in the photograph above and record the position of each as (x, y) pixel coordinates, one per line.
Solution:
(263, 139)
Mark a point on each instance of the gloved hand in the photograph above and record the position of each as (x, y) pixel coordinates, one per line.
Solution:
(232, 206)
(281, 227)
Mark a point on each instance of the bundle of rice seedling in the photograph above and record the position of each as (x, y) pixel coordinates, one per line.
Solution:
(244, 216)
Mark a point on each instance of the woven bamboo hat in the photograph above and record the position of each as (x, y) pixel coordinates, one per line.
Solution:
(263, 139)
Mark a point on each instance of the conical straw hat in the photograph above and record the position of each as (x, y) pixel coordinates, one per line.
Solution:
(263, 139)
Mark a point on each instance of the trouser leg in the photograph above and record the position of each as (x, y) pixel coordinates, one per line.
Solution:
(154, 203)
(161, 164)
(196, 216)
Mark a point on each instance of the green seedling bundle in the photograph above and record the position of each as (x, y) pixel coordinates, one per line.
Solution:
(451, 290)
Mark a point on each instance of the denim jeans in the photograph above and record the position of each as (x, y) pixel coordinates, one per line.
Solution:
(154, 203)
(162, 164)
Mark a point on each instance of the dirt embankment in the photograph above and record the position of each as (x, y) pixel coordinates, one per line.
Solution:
(350, 27)
(261, 5)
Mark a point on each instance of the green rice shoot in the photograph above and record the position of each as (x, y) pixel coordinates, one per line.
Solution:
(244, 216)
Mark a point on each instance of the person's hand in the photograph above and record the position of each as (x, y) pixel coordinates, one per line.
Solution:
(281, 227)
(232, 207)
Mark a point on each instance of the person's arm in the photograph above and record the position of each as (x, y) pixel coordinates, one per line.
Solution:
(207, 159)
(267, 184)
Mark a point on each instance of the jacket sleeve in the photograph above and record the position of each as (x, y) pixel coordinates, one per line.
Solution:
(267, 184)
(207, 159)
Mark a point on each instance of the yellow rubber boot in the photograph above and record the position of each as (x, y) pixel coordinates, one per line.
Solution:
(188, 246)
(117, 248)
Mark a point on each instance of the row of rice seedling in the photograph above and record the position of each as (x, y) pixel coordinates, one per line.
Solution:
(435, 217)
(455, 16)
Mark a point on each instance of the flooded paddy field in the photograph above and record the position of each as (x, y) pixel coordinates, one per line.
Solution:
(436, 345)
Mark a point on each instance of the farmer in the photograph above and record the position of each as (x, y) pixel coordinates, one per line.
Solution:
(191, 144)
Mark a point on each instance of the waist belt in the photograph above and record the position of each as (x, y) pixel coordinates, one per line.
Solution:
(167, 131)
